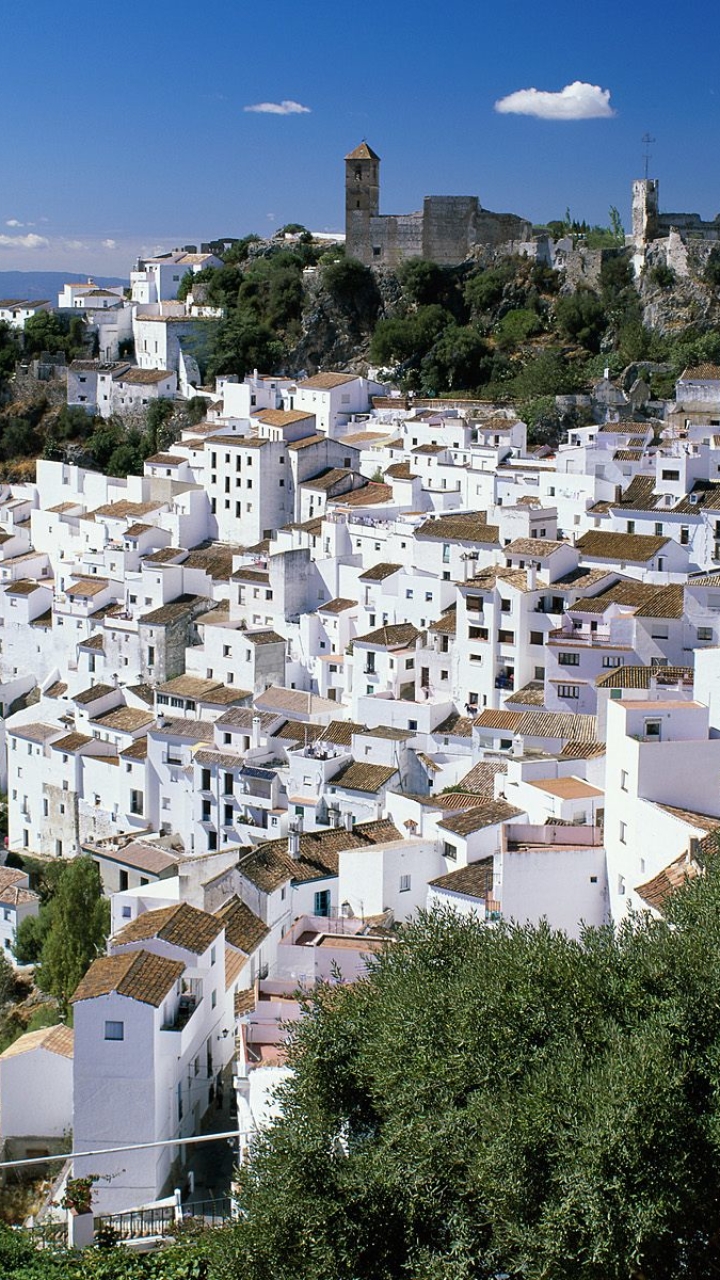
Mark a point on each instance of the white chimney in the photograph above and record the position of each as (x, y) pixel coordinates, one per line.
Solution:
(294, 835)
(531, 577)
(256, 731)
(348, 821)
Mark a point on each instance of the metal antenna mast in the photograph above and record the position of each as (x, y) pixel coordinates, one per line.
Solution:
(647, 142)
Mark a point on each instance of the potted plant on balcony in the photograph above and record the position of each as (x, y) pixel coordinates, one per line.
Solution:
(78, 1202)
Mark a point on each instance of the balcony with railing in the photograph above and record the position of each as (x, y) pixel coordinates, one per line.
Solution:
(602, 637)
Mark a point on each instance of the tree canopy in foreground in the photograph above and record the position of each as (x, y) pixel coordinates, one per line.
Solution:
(490, 1102)
(505, 1101)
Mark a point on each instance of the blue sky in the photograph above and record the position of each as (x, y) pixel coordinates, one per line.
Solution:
(125, 127)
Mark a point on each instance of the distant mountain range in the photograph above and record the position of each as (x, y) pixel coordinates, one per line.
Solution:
(45, 284)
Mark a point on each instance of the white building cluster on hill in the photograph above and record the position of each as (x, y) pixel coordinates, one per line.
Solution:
(337, 657)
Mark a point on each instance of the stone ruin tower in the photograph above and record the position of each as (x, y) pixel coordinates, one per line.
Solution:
(645, 210)
(362, 199)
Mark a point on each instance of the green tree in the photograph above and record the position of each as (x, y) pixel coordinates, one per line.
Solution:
(548, 373)
(57, 334)
(30, 936)
(185, 285)
(78, 927)
(581, 317)
(516, 327)
(9, 351)
(504, 1101)
(458, 361)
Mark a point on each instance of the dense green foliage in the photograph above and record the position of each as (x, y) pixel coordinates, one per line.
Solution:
(56, 334)
(486, 1102)
(213, 1255)
(505, 1101)
(69, 932)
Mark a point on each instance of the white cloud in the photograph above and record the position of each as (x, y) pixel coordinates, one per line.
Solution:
(577, 101)
(13, 222)
(109, 244)
(285, 108)
(24, 242)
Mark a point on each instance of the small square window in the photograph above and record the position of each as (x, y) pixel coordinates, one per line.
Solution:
(114, 1030)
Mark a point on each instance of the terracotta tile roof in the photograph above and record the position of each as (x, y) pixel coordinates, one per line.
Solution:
(538, 548)
(642, 677)
(627, 592)
(282, 417)
(306, 442)
(217, 560)
(341, 732)
(263, 637)
(701, 373)
(326, 479)
(193, 687)
(193, 730)
(297, 701)
(234, 962)
(399, 635)
(295, 731)
(566, 788)
(455, 726)
(138, 975)
(476, 819)
(39, 733)
(271, 865)
(558, 724)
(338, 605)
(179, 925)
(96, 691)
(71, 742)
(327, 381)
(491, 719)
(145, 377)
(665, 602)
(481, 779)
(23, 587)
(373, 493)
(474, 881)
(136, 751)
(656, 891)
(184, 606)
(447, 624)
(56, 690)
(703, 495)
(141, 855)
(358, 776)
(58, 1039)
(244, 1001)
(400, 471)
(243, 929)
(703, 821)
(378, 572)
(639, 496)
(124, 719)
(582, 750)
(242, 718)
(531, 695)
(638, 548)
(467, 526)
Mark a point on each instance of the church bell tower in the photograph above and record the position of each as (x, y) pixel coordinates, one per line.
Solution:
(362, 200)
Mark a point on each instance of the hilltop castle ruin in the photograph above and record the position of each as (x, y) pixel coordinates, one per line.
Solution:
(446, 230)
